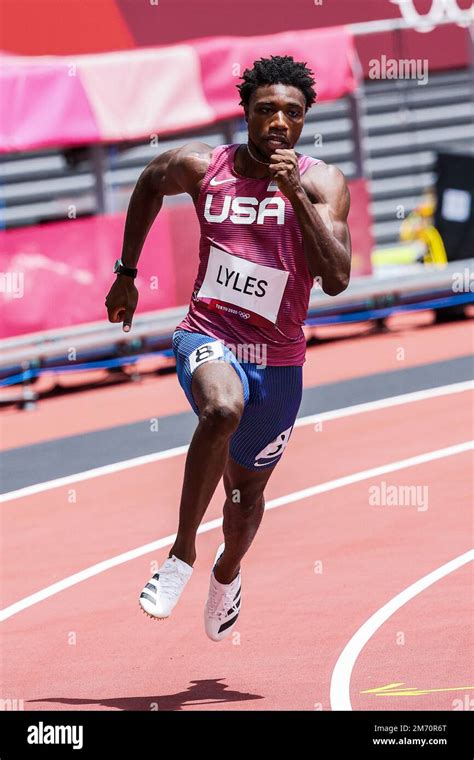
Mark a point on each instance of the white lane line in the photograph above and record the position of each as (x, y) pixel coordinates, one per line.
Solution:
(341, 676)
(386, 403)
(348, 411)
(96, 472)
(330, 485)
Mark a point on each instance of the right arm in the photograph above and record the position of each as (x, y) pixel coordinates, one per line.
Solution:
(176, 171)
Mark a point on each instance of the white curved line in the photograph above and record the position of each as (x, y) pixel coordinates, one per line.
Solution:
(330, 485)
(341, 677)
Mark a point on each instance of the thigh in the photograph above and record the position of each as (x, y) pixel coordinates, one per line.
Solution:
(208, 371)
(267, 422)
(216, 384)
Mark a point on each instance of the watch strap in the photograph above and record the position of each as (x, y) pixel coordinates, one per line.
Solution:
(121, 269)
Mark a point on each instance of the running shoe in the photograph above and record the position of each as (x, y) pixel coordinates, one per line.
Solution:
(222, 605)
(164, 588)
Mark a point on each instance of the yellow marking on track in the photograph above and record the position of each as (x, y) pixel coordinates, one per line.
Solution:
(392, 690)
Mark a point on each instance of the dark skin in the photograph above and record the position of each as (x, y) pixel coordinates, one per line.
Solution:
(320, 200)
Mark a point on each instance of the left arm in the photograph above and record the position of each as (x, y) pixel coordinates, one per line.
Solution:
(322, 208)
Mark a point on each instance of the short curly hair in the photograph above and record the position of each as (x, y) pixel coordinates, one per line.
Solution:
(278, 69)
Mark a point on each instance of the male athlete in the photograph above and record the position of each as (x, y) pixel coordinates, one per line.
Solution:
(271, 220)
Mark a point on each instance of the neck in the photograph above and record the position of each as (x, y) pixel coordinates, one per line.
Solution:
(255, 158)
(250, 162)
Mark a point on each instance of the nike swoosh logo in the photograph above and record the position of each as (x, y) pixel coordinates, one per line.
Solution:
(214, 181)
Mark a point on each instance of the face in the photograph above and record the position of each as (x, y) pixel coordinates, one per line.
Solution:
(278, 110)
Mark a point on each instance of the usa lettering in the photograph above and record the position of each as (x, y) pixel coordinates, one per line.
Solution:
(245, 210)
(225, 278)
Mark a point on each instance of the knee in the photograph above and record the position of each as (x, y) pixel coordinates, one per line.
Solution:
(246, 503)
(222, 418)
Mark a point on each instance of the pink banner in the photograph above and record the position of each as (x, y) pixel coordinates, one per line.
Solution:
(58, 274)
(327, 52)
(133, 94)
(41, 99)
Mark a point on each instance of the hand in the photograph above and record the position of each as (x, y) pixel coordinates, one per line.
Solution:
(285, 170)
(121, 301)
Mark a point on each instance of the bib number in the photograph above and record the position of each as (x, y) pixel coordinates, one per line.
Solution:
(205, 353)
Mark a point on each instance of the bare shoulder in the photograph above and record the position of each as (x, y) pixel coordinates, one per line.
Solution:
(326, 183)
(191, 163)
(195, 155)
(180, 170)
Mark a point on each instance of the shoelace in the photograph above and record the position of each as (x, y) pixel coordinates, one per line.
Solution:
(220, 603)
(170, 580)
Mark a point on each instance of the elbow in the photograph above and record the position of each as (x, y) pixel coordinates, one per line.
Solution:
(336, 286)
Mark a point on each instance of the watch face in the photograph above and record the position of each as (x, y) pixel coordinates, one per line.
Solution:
(117, 265)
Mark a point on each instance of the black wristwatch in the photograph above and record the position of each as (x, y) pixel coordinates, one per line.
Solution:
(119, 268)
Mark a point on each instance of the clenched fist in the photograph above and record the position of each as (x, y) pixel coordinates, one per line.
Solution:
(121, 301)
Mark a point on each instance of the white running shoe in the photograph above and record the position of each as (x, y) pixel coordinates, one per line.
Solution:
(222, 605)
(164, 588)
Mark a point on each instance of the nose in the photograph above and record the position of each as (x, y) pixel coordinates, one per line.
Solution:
(278, 120)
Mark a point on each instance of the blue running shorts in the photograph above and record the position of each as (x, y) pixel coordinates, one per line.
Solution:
(272, 397)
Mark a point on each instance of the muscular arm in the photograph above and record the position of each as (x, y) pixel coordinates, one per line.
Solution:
(176, 171)
(323, 222)
(321, 202)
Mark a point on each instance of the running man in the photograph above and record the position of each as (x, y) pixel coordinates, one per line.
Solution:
(271, 221)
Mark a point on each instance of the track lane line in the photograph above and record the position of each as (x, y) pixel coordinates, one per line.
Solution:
(348, 411)
(290, 498)
(340, 697)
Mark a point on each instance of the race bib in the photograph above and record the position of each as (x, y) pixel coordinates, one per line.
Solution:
(251, 287)
(205, 353)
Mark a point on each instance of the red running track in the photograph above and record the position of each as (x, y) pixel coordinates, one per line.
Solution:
(319, 568)
(318, 572)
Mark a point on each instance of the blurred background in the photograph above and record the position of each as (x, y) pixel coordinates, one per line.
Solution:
(91, 92)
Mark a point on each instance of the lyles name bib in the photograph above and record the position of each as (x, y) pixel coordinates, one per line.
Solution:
(242, 288)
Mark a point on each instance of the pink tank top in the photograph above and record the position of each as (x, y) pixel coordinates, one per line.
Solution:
(253, 283)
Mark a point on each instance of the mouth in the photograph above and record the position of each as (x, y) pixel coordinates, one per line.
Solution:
(276, 142)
